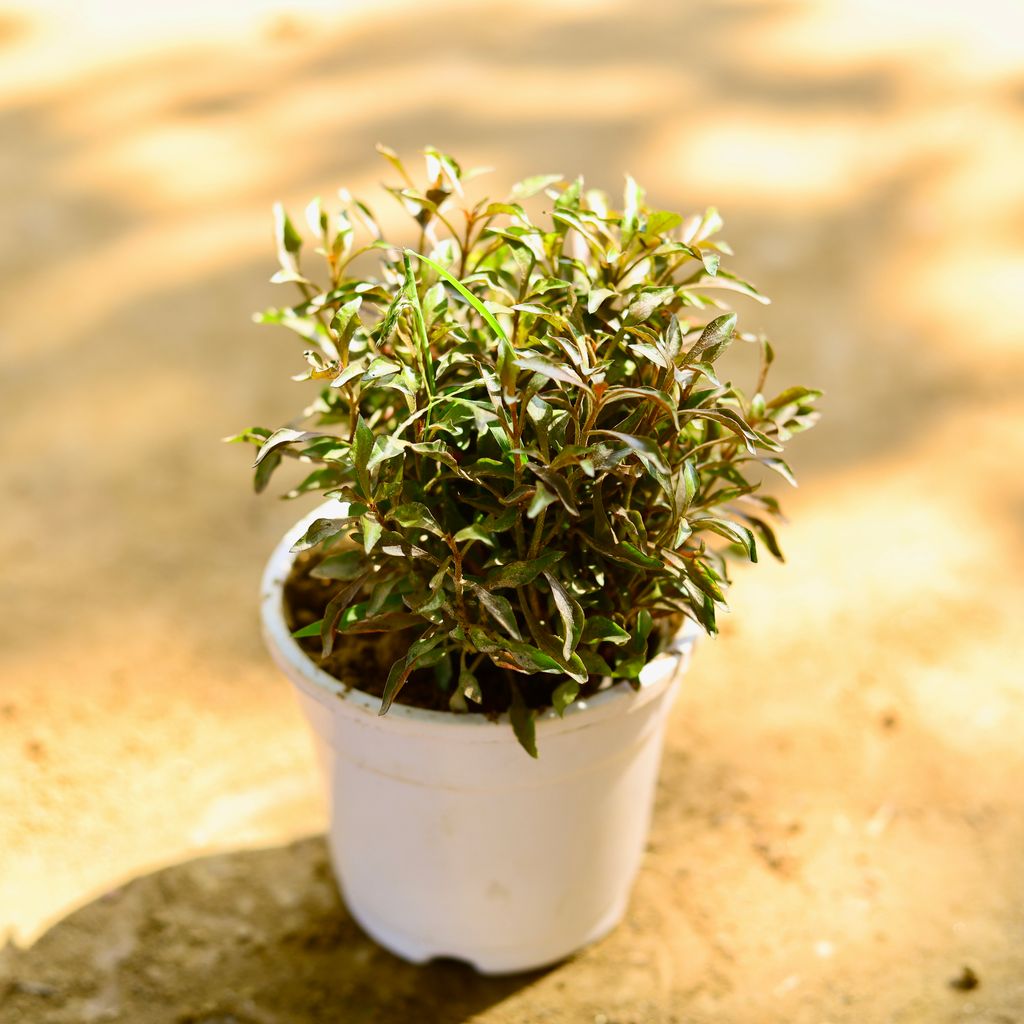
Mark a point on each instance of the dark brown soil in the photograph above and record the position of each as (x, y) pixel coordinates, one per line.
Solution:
(364, 660)
(360, 660)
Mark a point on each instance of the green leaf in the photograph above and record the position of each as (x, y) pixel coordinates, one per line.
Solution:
(397, 676)
(322, 479)
(795, 395)
(599, 628)
(565, 374)
(384, 447)
(313, 629)
(415, 513)
(319, 531)
(499, 522)
(691, 482)
(423, 344)
(673, 343)
(564, 695)
(381, 368)
(523, 724)
(632, 555)
(389, 622)
(436, 450)
(629, 668)
(345, 323)
(646, 450)
(284, 436)
(553, 318)
(265, 470)
(529, 659)
(701, 575)
(619, 394)
(713, 339)
(422, 653)
(389, 321)
(372, 531)
(633, 201)
(731, 419)
(253, 435)
(542, 497)
(336, 607)
(781, 467)
(709, 224)
(524, 245)
(345, 566)
(353, 370)
(569, 197)
(484, 312)
(511, 209)
(641, 308)
(593, 663)
(362, 445)
(644, 625)
(731, 531)
(660, 221)
(289, 241)
(423, 646)
(519, 573)
(470, 686)
(559, 485)
(571, 614)
(392, 158)
(767, 534)
(563, 216)
(531, 186)
(500, 609)
(475, 532)
(652, 353)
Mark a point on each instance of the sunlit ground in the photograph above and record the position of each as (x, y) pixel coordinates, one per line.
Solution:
(840, 826)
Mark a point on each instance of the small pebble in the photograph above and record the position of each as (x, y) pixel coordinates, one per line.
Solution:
(966, 980)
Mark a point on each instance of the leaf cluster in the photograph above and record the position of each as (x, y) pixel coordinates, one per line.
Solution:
(524, 416)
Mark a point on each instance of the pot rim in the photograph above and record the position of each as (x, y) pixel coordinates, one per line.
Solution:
(659, 673)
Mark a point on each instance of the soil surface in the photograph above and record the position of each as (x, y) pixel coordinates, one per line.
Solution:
(839, 825)
(364, 660)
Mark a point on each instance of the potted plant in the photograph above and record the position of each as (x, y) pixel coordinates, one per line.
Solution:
(535, 475)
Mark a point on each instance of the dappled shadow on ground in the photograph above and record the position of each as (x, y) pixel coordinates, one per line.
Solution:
(137, 202)
(248, 938)
(869, 183)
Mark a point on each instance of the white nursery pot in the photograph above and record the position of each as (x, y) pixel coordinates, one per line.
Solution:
(447, 839)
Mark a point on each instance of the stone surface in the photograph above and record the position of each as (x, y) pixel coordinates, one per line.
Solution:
(839, 825)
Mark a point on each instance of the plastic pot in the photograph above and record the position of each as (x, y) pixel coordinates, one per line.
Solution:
(447, 839)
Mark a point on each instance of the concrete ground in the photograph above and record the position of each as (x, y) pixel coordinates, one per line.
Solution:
(840, 823)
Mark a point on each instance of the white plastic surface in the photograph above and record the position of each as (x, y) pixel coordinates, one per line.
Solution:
(447, 839)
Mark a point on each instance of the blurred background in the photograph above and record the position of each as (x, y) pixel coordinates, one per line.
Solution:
(839, 830)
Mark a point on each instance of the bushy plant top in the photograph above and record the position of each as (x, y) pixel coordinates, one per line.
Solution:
(542, 465)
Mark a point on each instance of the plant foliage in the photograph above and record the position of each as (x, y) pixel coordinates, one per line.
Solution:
(525, 414)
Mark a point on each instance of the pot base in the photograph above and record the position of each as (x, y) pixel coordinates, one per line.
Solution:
(496, 960)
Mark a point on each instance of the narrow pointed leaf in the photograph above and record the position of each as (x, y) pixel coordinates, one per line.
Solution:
(571, 614)
(519, 573)
(564, 695)
(523, 724)
(500, 610)
(713, 339)
(336, 607)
